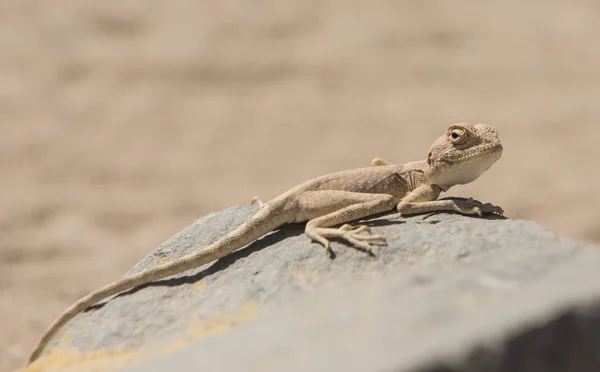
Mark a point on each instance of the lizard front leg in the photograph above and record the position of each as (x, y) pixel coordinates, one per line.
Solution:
(331, 207)
(424, 200)
(377, 162)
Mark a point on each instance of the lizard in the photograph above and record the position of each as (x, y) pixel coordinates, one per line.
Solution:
(459, 156)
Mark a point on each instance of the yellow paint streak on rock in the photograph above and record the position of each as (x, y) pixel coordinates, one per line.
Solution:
(199, 329)
(200, 284)
(162, 261)
(65, 337)
(113, 360)
(71, 361)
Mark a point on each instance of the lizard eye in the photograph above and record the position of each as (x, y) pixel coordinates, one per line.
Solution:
(456, 135)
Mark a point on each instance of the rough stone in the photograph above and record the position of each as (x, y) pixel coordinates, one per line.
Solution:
(449, 293)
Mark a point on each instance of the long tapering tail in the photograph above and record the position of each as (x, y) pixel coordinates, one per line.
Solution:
(267, 219)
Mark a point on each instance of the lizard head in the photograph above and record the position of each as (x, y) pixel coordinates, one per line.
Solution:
(462, 154)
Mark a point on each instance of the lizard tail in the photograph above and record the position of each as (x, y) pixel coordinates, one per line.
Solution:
(265, 220)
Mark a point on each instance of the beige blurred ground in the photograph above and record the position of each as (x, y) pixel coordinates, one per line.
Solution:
(123, 121)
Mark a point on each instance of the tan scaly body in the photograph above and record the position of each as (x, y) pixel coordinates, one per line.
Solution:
(458, 157)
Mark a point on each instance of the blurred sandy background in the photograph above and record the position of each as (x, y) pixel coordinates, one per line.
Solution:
(123, 121)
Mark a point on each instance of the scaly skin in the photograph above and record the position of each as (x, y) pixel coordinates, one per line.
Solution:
(460, 156)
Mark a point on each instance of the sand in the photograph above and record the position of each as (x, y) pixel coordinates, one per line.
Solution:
(122, 122)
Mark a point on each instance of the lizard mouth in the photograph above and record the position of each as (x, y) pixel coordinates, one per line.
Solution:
(482, 151)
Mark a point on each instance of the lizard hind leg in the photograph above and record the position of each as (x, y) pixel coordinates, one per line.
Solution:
(342, 207)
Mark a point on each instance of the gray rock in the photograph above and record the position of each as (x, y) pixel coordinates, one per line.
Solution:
(449, 293)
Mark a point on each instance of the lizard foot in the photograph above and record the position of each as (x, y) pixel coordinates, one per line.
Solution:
(359, 237)
(481, 209)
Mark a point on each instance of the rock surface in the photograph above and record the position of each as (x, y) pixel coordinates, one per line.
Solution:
(449, 293)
